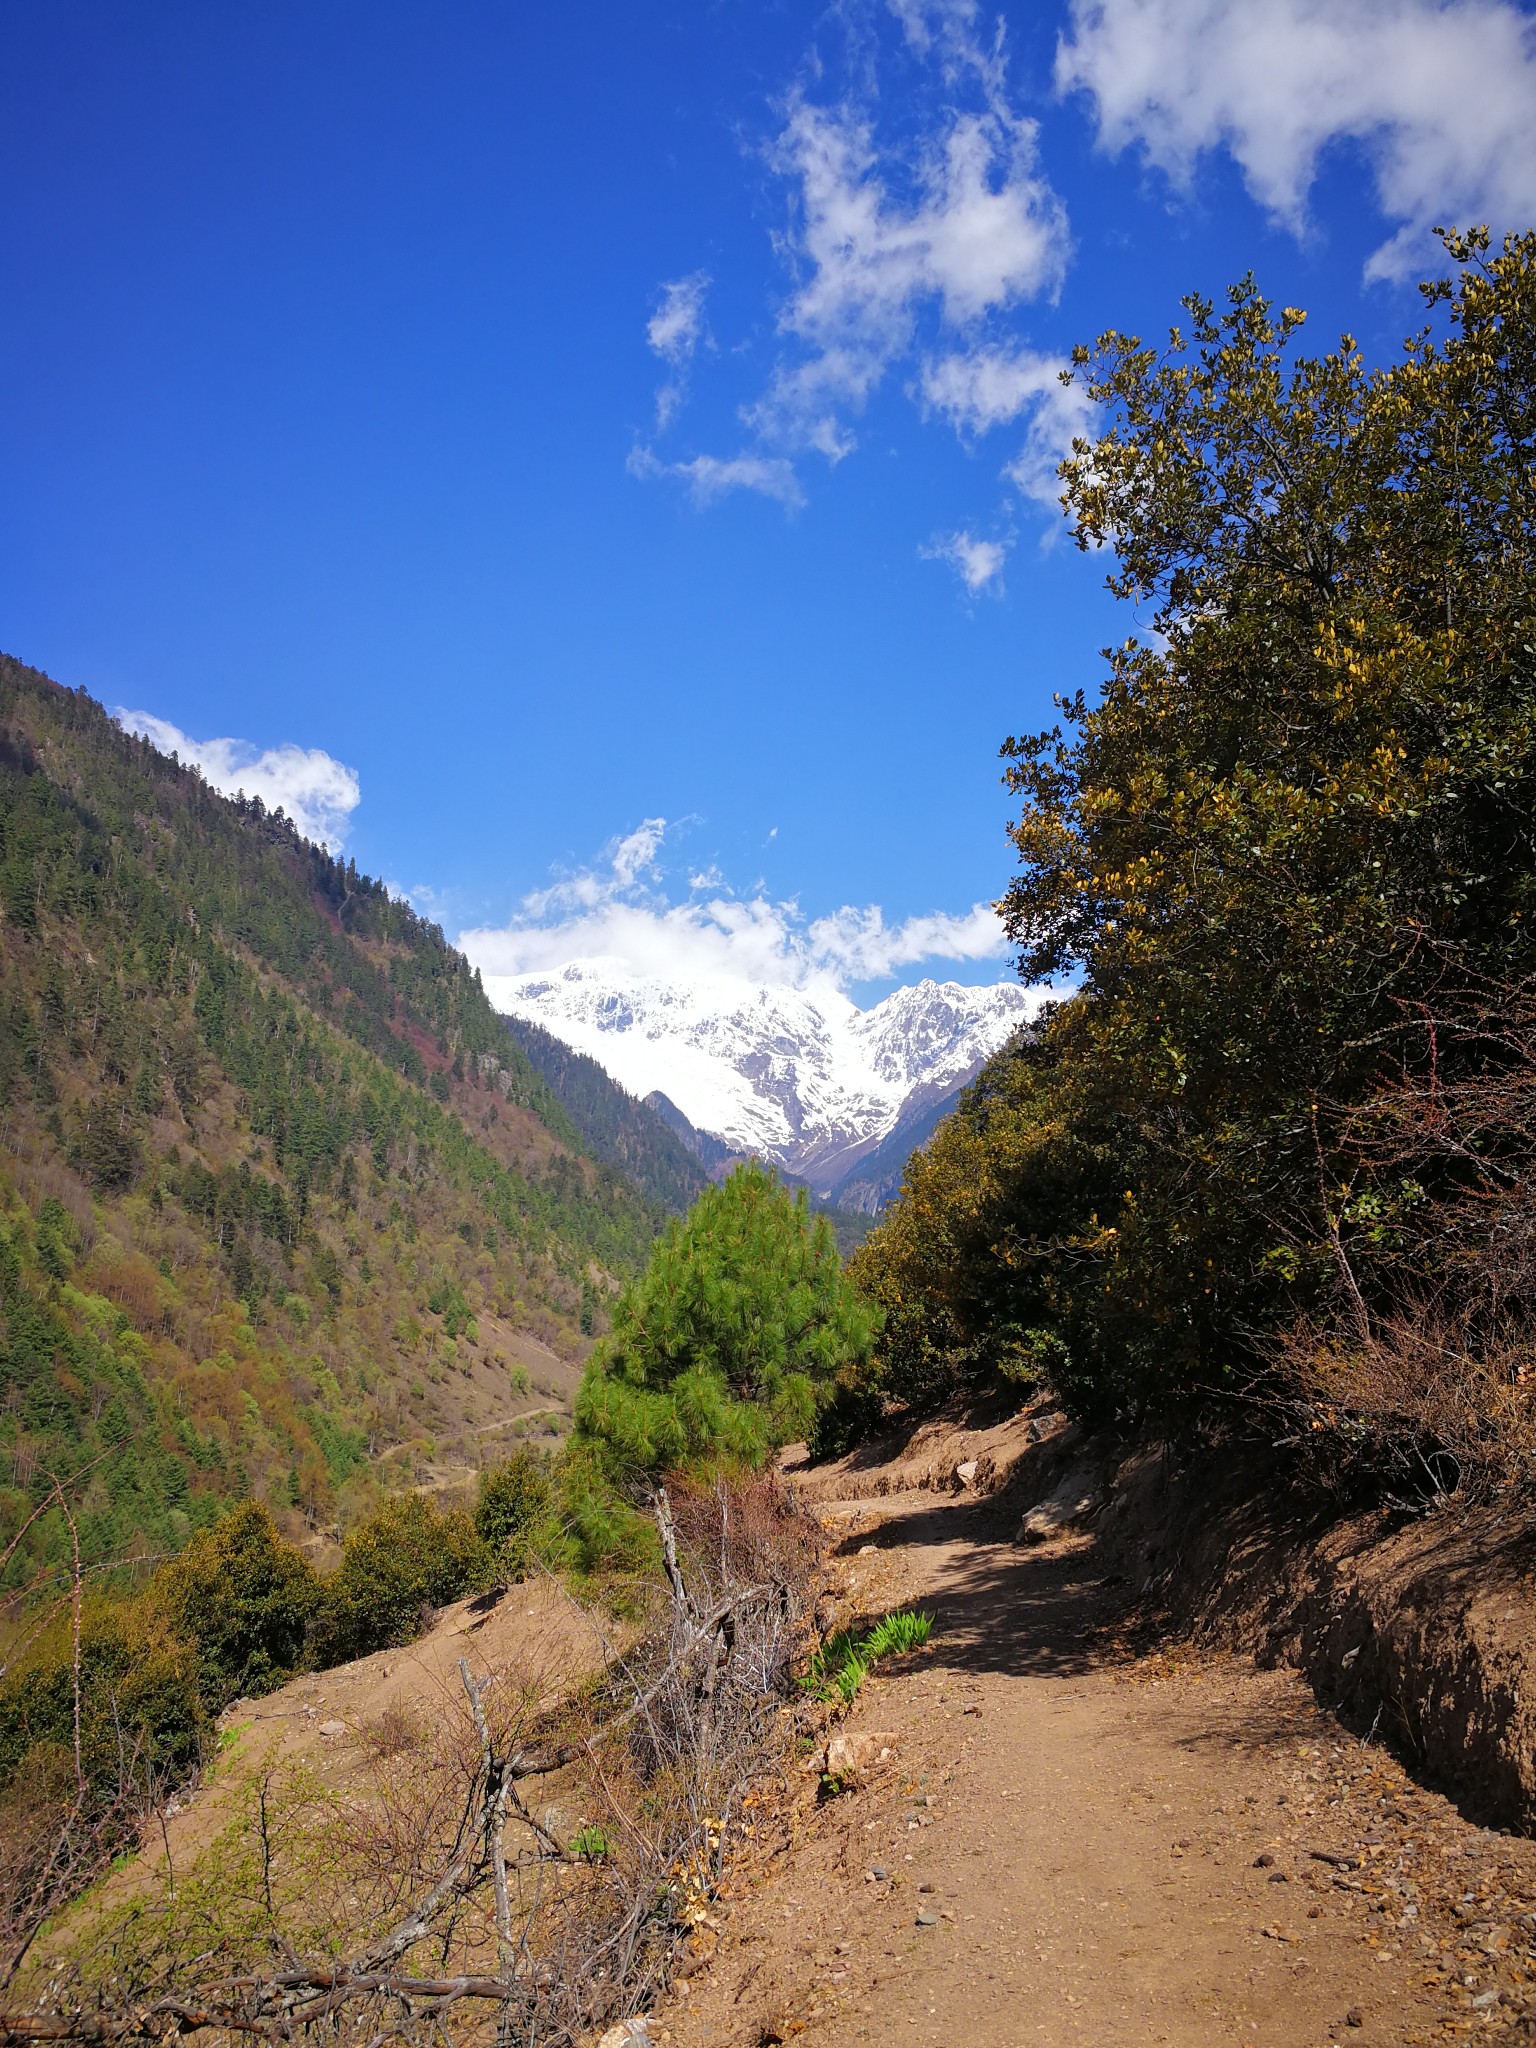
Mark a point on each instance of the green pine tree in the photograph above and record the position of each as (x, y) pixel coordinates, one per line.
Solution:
(732, 1337)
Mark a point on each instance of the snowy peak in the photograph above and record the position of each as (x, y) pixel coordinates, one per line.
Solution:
(803, 1077)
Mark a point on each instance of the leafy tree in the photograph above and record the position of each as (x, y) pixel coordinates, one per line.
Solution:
(407, 1558)
(1292, 819)
(731, 1337)
(513, 1510)
(246, 1598)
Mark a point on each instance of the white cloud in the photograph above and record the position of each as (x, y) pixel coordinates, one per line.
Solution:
(884, 244)
(674, 331)
(978, 563)
(318, 792)
(983, 232)
(1439, 94)
(711, 476)
(619, 910)
(982, 388)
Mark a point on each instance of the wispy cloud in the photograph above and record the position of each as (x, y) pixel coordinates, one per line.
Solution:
(621, 908)
(709, 477)
(674, 331)
(984, 232)
(889, 245)
(1439, 95)
(980, 389)
(978, 563)
(312, 787)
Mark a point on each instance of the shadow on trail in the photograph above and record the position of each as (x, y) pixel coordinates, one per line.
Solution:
(1058, 1611)
(998, 1607)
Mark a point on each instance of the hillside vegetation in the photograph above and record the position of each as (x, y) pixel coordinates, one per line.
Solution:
(284, 1211)
(1279, 1142)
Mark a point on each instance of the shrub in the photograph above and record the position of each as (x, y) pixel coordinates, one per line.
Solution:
(142, 1715)
(514, 1512)
(843, 1661)
(405, 1560)
(246, 1598)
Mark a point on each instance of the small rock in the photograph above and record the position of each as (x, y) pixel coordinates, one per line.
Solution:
(1279, 1877)
(879, 1873)
(965, 1475)
(634, 2033)
(1484, 1999)
(1263, 1861)
(927, 1887)
(926, 1918)
(1354, 2017)
(851, 1758)
(333, 1727)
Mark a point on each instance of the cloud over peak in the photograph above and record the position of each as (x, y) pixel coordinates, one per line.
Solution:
(620, 908)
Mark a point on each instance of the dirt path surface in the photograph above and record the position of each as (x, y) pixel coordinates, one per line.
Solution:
(1078, 1843)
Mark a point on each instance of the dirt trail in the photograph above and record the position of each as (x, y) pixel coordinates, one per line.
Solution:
(1112, 1848)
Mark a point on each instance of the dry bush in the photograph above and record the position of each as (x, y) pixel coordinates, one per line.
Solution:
(1410, 1401)
(393, 1733)
(1425, 1372)
(526, 1873)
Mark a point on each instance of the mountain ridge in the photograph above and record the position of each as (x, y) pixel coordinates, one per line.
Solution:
(800, 1077)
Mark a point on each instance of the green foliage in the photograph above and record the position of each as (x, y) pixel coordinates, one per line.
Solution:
(143, 1721)
(246, 1599)
(1286, 833)
(842, 1663)
(408, 1558)
(604, 1536)
(731, 1337)
(897, 1633)
(591, 1844)
(514, 1511)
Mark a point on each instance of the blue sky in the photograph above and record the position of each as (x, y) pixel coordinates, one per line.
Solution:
(593, 461)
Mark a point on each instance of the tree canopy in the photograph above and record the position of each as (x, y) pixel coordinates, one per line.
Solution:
(1300, 815)
(735, 1331)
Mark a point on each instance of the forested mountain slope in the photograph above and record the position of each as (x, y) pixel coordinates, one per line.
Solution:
(284, 1210)
(629, 1135)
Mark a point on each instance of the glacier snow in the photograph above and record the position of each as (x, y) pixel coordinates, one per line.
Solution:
(802, 1077)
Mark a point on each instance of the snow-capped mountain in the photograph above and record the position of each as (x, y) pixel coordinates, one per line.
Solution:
(804, 1078)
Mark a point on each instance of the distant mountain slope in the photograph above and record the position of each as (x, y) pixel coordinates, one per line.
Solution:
(804, 1079)
(712, 1153)
(875, 1178)
(284, 1209)
(638, 1139)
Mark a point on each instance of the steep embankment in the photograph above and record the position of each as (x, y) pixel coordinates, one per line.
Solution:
(284, 1211)
(1081, 1837)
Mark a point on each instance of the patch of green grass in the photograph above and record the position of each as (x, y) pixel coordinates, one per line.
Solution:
(591, 1844)
(898, 1632)
(843, 1662)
